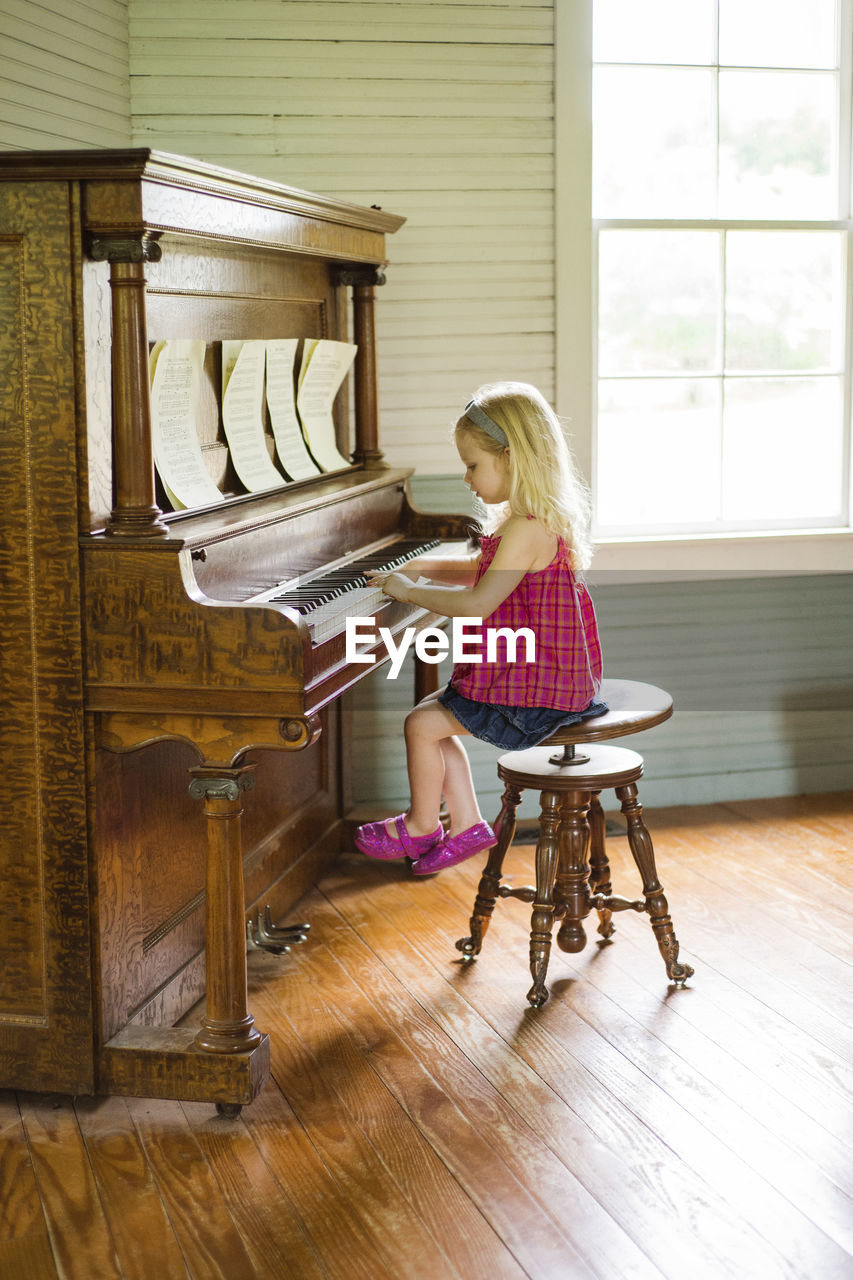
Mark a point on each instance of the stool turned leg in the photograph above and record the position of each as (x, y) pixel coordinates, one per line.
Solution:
(641, 847)
(487, 892)
(542, 918)
(573, 871)
(599, 866)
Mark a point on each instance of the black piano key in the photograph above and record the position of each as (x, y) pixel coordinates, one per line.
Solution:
(315, 592)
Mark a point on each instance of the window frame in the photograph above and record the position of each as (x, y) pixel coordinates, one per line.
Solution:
(723, 552)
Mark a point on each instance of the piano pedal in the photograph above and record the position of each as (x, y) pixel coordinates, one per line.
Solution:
(291, 933)
(253, 943)
(266, 936)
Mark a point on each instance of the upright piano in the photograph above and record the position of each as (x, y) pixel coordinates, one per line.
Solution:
(173, 742)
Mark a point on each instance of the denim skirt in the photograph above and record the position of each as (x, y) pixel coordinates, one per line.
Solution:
(512, 728)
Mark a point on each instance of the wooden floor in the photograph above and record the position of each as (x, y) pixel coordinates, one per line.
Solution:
(422, 1121)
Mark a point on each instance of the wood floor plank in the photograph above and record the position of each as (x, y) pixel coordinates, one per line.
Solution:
(259, 1208)
(197, 1210)
(80, 1237)
(459, 1240)
(747, 939)
(779, 875)
(24, 1243)
(606, 966)
(636, 965)
(819, 842)
(806, 1068)
(423, 1123)
(764, 944)
(758, 1035)
(751, 990)
(611, 1013)
(724, 1173)
(810, 833)
(27, 1258)
(400, 1237)
(625, 1195)
(330, 1220)
(490, 1151)
(139, 1225)
(831, 809)
(638, 1176)
(814, 1200)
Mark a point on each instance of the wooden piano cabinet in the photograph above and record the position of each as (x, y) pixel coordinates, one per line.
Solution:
(178, 752)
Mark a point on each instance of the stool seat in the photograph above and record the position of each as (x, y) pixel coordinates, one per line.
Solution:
(601, 767)
(572, 868)
(633, 707)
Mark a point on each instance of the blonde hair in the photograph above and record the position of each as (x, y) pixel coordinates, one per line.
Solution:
(544, 479)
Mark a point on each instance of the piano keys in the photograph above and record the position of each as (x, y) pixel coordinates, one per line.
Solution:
(342, 590)
(174, 682)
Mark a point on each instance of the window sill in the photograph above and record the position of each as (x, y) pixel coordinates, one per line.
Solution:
(672, 558)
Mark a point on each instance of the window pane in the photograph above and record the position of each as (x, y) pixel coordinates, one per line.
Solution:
(776, 144)
(653, 132)
(777, 33)
(654, 31)
(658, 301)
(782, 448)
(784, 300)
(658, 451)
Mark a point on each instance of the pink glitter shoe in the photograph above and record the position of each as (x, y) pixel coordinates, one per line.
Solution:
(453, 849)
(374, 840)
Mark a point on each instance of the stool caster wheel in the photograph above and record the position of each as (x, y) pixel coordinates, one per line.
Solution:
(679, 973)
(229, 1109)
(469, 947)
(537, 996)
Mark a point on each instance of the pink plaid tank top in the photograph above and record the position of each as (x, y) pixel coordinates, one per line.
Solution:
(557, 607)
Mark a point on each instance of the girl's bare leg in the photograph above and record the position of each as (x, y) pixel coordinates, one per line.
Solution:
(459, 786)
(438, 762)
(457, 783)
(437, 765)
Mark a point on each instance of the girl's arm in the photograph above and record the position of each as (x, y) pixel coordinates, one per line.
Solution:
(456, 570)
(519, 549)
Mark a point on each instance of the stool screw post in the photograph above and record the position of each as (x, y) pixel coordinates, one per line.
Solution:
(656, 904)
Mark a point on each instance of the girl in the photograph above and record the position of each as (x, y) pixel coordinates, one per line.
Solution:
(525, 575)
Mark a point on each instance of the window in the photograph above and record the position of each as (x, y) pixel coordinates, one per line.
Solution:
(721, 205)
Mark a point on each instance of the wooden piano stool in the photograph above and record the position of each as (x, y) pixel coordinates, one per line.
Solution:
(572, 869)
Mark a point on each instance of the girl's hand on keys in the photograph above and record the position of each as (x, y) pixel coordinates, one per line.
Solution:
(395, 585)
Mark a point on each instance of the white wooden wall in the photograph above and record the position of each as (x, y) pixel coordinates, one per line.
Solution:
(442, 112)
(64, 74)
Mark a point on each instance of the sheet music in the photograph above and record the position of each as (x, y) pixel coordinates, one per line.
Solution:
(289, 441)
(324, 367)
(243, 365)
(176, 367)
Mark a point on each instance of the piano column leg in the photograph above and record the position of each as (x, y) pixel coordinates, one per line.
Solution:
(227, 1026)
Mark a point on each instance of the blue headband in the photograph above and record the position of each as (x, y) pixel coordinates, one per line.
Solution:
(481, 419)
